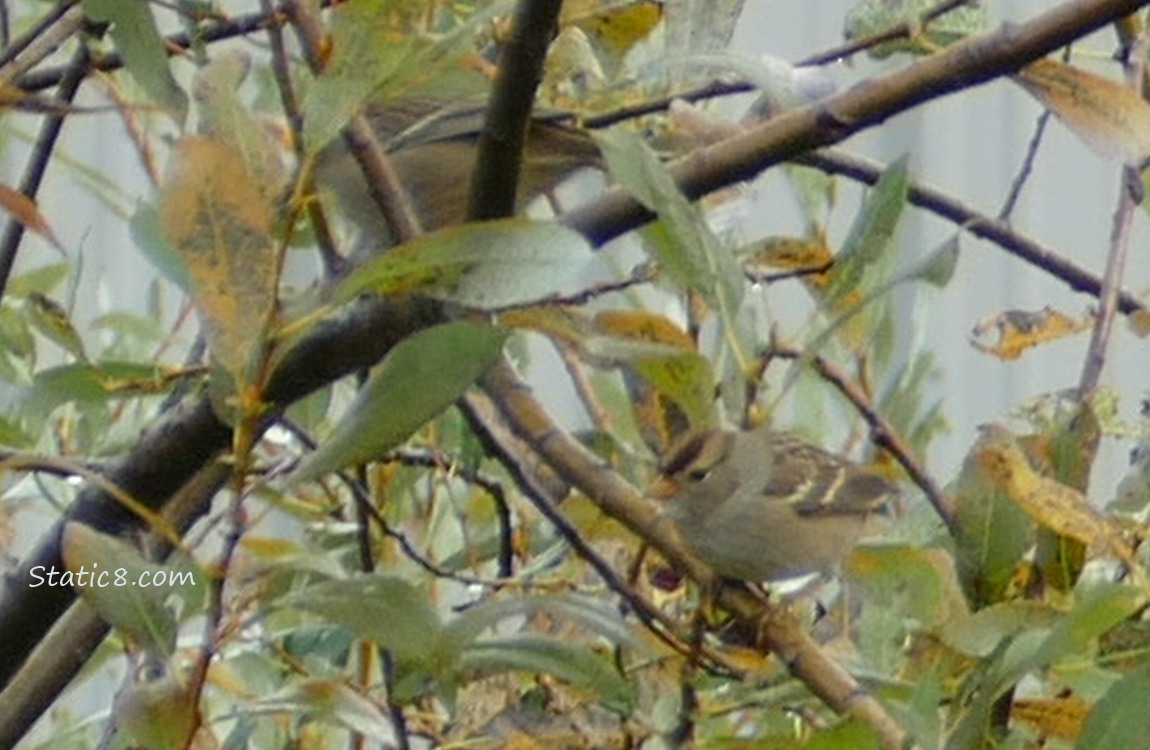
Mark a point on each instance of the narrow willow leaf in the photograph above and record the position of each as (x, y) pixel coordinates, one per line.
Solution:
(872, 230)
(91, 384)
(420, 378)
(1119, 719)
(332, 701)
(938, 268)
(488, 265)
(874, 16)
(24, 210)
(383, 609)
(51, 319)
(145, 55)
(684, 245)
(573, 662)
(586, 611)
(375, 56)
(113, 572)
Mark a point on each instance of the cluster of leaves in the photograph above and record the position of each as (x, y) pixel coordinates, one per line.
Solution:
(373, 591)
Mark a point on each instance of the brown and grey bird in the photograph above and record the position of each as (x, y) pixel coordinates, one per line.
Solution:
(432, 147)
(765, 505)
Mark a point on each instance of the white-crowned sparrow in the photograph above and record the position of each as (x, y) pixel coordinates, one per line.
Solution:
(765, 505)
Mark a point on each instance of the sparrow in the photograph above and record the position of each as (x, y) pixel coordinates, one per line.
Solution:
(765, 505)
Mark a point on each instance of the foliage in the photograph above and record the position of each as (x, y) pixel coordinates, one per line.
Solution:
(384, 544)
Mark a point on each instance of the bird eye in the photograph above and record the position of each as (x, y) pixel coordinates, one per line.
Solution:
(699, 475)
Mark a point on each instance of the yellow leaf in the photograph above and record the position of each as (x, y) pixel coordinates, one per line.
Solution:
(619, 26)
(643, 326)
(1053, 505)
(1108, 116)
(1018, 330)
(796, 254)
(563, 324)
(1060, 717)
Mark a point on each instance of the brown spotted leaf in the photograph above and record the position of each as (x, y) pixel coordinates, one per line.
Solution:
(1108, 116)
(218, 218)
(1019, 330)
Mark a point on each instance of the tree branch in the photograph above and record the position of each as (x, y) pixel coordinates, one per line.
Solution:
(501, 142)
(796, 132)
(978, 224)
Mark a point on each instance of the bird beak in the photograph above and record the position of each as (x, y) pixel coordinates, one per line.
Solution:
(662, 489)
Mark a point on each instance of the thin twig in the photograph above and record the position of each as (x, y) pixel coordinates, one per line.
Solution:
(1119, 245)
(383, 183)
(1026, 167)
(333, 262)
(902, 30)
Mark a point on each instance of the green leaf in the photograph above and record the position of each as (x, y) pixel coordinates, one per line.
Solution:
(385, 610)
(143, 49)
(872, 231)
(993, 535)
(682, 375)
(1119, 720)
(938, 268)
(854, 734)
(984, 631)
(420, 378)
(573, 662)
(121, 585)
(50, 319)
(90, 383)
(916, 582)
(683, 244)
(486, 265)
(1096, 610)
(148, 235)
(42, 279)
(14, 437)
(935, 269)
(873, 16)
(123, 324)
(591, 613)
